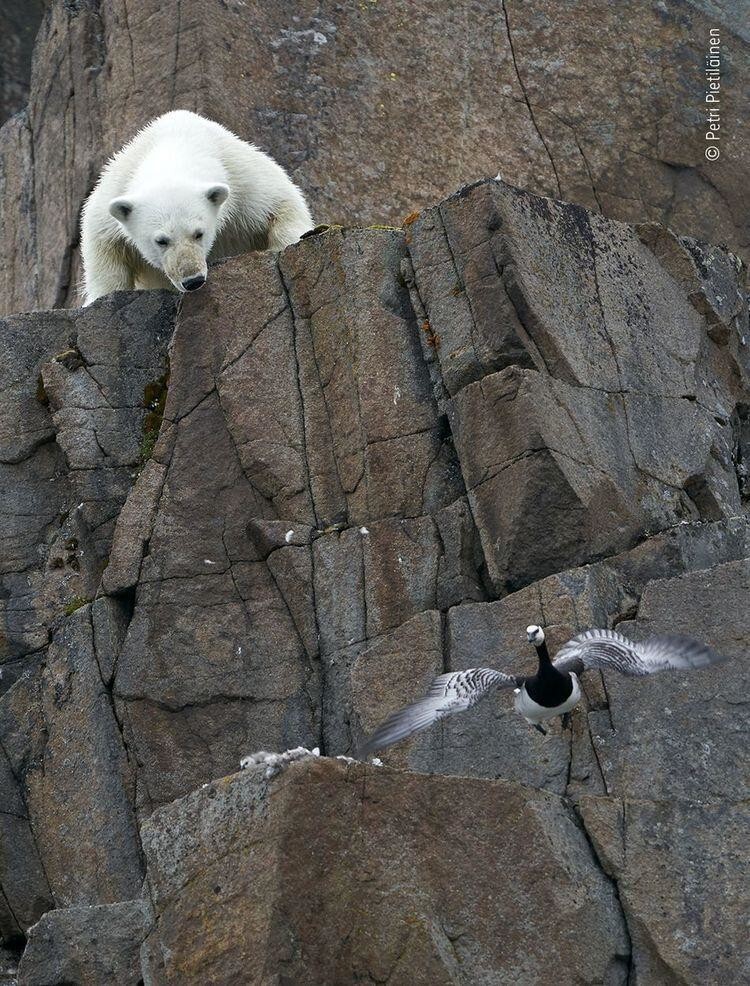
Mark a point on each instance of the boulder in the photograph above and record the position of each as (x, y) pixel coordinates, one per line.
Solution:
(332, 873)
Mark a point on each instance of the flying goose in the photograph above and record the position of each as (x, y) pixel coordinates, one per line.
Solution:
(554, 690)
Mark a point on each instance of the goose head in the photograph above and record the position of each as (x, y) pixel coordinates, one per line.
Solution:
(535, 635)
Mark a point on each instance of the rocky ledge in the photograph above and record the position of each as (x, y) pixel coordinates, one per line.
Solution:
(269, 514)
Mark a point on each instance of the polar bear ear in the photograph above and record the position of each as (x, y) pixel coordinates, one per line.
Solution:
(216, 194)
(121, 209)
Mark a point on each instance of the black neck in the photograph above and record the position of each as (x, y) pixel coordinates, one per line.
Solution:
(543, 655)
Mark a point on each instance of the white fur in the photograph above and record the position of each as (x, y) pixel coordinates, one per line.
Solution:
(174, 174)
(534, 713)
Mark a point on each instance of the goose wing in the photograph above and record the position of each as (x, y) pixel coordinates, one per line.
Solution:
(449, 693)
(609, 650)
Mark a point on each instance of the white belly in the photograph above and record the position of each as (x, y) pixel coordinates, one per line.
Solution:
(533, 713)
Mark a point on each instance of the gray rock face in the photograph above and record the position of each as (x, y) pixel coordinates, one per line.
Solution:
(75, 413)
(578, 376)
(78, 786)
(90, 945)
(78, 410)
(380, 110)
(684, 901)
(19, 24)
(269, 515)
(213, 858)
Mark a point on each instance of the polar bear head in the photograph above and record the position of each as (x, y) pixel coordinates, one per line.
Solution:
(173, 227)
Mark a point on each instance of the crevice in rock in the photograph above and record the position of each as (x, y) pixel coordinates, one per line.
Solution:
(154, 402)
(140, 774)
(146, 547)
(440, 545)
(19, 779)
(176, 63)
(440, 214)
(246, 349)
(522, 311)
(329, 420)
(698, 489)
(566, 123)
(429, 355)
(321, 662)
(363, 576)
(314, 669)
(443, 400)
(300, 395)
(608, 707)
(627, 959)
(108, 690)
(741, 451)
(592, 741)
(203, 703)
(526, 98)
(16, 943)
(569, 771)
(445, 641)
(263, 498)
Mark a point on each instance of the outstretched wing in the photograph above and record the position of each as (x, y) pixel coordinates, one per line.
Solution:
(610, 650)
(448, 693)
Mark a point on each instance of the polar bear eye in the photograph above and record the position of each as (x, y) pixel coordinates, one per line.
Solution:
(198, 234)
(162, 241)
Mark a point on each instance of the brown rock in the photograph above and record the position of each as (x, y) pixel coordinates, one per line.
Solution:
(378, 128)
(363, 681)
(623, 743)
(679, 735)
(609, 373)
(71, 440)
(76, 779)
(294, 878)
(303, 422)
(25, 890)
(18, 270)
(684, 902)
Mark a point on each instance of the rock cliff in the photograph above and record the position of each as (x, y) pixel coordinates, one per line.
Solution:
(382, 108)
(268, 514)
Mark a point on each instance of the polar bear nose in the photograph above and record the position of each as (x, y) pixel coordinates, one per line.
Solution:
(193, 283)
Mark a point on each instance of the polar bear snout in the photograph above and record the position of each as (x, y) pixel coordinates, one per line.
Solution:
(185, 266)
(193, 283)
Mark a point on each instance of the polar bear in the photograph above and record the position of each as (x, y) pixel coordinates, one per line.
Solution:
(183, 191)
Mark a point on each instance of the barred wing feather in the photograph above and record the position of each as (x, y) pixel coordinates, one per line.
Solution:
(609, 650)
(448, 694)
